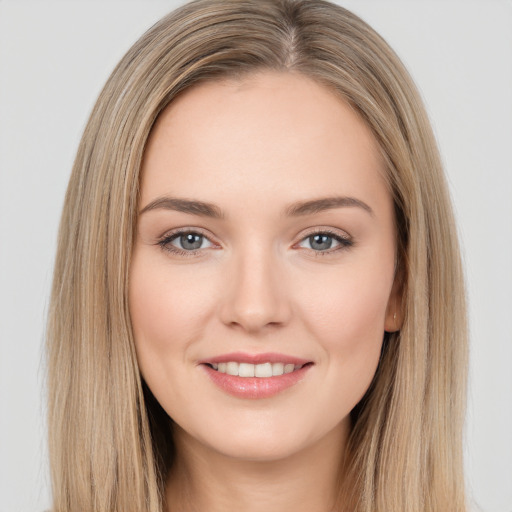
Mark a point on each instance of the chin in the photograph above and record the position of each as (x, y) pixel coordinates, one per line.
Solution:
(262, 441)
(253, 449)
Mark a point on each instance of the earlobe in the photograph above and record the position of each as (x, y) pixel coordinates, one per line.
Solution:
(394, 311)
(394, 317)
(392, 323)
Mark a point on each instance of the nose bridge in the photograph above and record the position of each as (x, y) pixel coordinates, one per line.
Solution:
(256, 295)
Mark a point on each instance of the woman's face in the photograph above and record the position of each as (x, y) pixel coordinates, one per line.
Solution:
(265, 245)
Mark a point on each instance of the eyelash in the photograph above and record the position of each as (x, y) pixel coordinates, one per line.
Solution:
(165, 242)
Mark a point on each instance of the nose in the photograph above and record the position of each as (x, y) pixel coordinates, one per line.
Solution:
(256, 296)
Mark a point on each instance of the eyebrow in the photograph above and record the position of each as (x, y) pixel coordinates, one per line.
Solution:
(186, 206)
(297, 209)
(327, 203)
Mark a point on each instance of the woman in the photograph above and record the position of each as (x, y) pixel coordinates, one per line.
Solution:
(249, 305)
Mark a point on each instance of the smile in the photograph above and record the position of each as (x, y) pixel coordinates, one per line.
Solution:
(255, 376)
(263, 370)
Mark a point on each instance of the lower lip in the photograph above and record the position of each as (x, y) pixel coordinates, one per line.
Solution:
(256, 387)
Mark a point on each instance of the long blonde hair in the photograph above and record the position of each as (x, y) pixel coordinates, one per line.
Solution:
(110, 442)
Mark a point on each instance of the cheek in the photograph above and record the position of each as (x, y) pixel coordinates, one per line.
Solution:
(168, 313)
(347, 316)
(349, 303)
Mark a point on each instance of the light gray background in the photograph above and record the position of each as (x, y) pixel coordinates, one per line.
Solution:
(54, 58)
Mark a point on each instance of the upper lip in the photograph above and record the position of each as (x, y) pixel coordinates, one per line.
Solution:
(243, 357)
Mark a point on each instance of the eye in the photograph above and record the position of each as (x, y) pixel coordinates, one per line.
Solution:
(325, 242)
(185, 243)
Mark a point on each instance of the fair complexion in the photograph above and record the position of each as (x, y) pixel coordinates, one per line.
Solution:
(293, 255)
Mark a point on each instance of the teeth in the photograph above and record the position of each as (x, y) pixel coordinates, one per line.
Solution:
(255, 370)
(288, 368)
(277, 368)
(232, 368)
(245, 369)
(263, 370)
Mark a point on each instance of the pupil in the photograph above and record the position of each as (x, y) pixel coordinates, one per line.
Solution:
(191, 241)
(320, 242)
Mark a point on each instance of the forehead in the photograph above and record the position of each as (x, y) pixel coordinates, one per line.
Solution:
(276, 135)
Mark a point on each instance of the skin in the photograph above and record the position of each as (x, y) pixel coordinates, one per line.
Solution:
(258, 283)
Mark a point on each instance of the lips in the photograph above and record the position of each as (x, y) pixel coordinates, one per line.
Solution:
(255, 376)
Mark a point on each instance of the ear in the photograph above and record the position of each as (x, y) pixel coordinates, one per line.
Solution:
(394, 310)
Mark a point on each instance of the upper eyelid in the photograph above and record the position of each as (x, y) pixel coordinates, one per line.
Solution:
(331, 231)
(180, 231)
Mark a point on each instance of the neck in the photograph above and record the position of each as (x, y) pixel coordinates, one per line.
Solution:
(204, 480)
